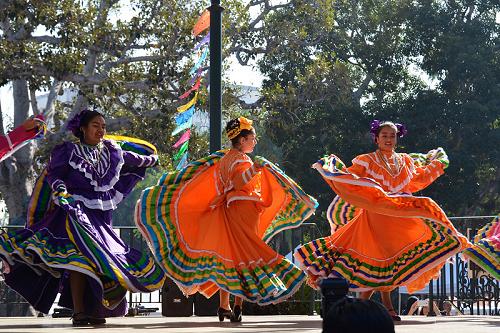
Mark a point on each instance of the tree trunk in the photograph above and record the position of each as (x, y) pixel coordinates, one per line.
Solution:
(19, 189)
(16, 172)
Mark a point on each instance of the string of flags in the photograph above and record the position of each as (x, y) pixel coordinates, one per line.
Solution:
(185, 112)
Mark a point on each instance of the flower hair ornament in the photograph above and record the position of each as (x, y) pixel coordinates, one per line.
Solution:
(377, 124)
(235, 127)
(74, 124)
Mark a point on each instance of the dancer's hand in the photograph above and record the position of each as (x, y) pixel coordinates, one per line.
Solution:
(258, 164)
(29, 124)
(440, 156)
(62, 197)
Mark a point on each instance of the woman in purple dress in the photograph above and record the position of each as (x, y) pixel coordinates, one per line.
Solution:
(68, 245)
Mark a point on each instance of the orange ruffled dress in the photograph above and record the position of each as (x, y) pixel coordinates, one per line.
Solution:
(208, 225)
(382, 236)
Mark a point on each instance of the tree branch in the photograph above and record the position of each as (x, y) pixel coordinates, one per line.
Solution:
(124, 122)
(51, 99)
(356, 95)
(89, 69)
(109, 64)
(33, 102)
(1, 120)
(252, 27)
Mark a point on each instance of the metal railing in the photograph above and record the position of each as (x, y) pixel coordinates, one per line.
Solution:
(463, 283)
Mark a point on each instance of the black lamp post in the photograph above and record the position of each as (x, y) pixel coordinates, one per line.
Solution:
(215, 75)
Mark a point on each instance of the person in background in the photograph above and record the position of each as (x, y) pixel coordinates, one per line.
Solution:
(11, 142)
(409, 303)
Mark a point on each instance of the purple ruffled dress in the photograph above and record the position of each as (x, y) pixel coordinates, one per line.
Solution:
(75, 234)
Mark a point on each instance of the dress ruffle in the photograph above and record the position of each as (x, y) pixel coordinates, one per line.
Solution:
(70, 236)
(109, 183)
(376, 170)
(40, 257)
(177, 219)
(486, 249)
(106, 179)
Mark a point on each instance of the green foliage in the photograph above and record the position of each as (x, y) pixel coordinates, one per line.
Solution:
(142, 59)
(376, 59)
(128, 59)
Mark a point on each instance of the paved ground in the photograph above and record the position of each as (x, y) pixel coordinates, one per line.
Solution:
(153, 324)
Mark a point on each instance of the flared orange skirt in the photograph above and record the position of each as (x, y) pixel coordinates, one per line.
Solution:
(391, 240)
(204, 248)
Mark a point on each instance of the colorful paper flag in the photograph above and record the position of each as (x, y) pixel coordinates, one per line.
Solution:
(185, 137)
(205, 40)
(186, 106)
(185, 116)
(202, 23)
(182, 127)
(181, 151)
(199, 62)
(193, 88)
(197, 75)
(183, 162)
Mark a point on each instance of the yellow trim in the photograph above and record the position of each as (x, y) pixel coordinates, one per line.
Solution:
(130, 139)
(117, 272)
(34, 200)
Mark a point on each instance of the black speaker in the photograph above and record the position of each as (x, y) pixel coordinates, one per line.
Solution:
(62, 313)
(206, 306)
(173, 301)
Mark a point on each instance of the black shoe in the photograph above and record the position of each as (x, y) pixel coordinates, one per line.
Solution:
(80, 319)
(236, 317)
(223, 313)
(394, 315)
(96, 321)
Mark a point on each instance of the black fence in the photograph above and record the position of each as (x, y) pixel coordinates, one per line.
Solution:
(462, 283)
(469, 288)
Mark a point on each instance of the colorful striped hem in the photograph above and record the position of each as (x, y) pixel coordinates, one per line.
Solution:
(486, 250)
(259, 282)
(415, 263)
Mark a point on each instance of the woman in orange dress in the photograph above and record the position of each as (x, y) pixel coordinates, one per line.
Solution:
(208, 224)
(383, 236)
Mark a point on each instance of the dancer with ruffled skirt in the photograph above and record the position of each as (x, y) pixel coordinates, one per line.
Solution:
(208, 225)
(486, 250)
(68, 245)
(382, 235)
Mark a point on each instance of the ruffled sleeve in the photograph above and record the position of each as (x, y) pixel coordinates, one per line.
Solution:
(135, 160)
(359, 166)
(242, 173)
(57, 168)
(423, 176)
